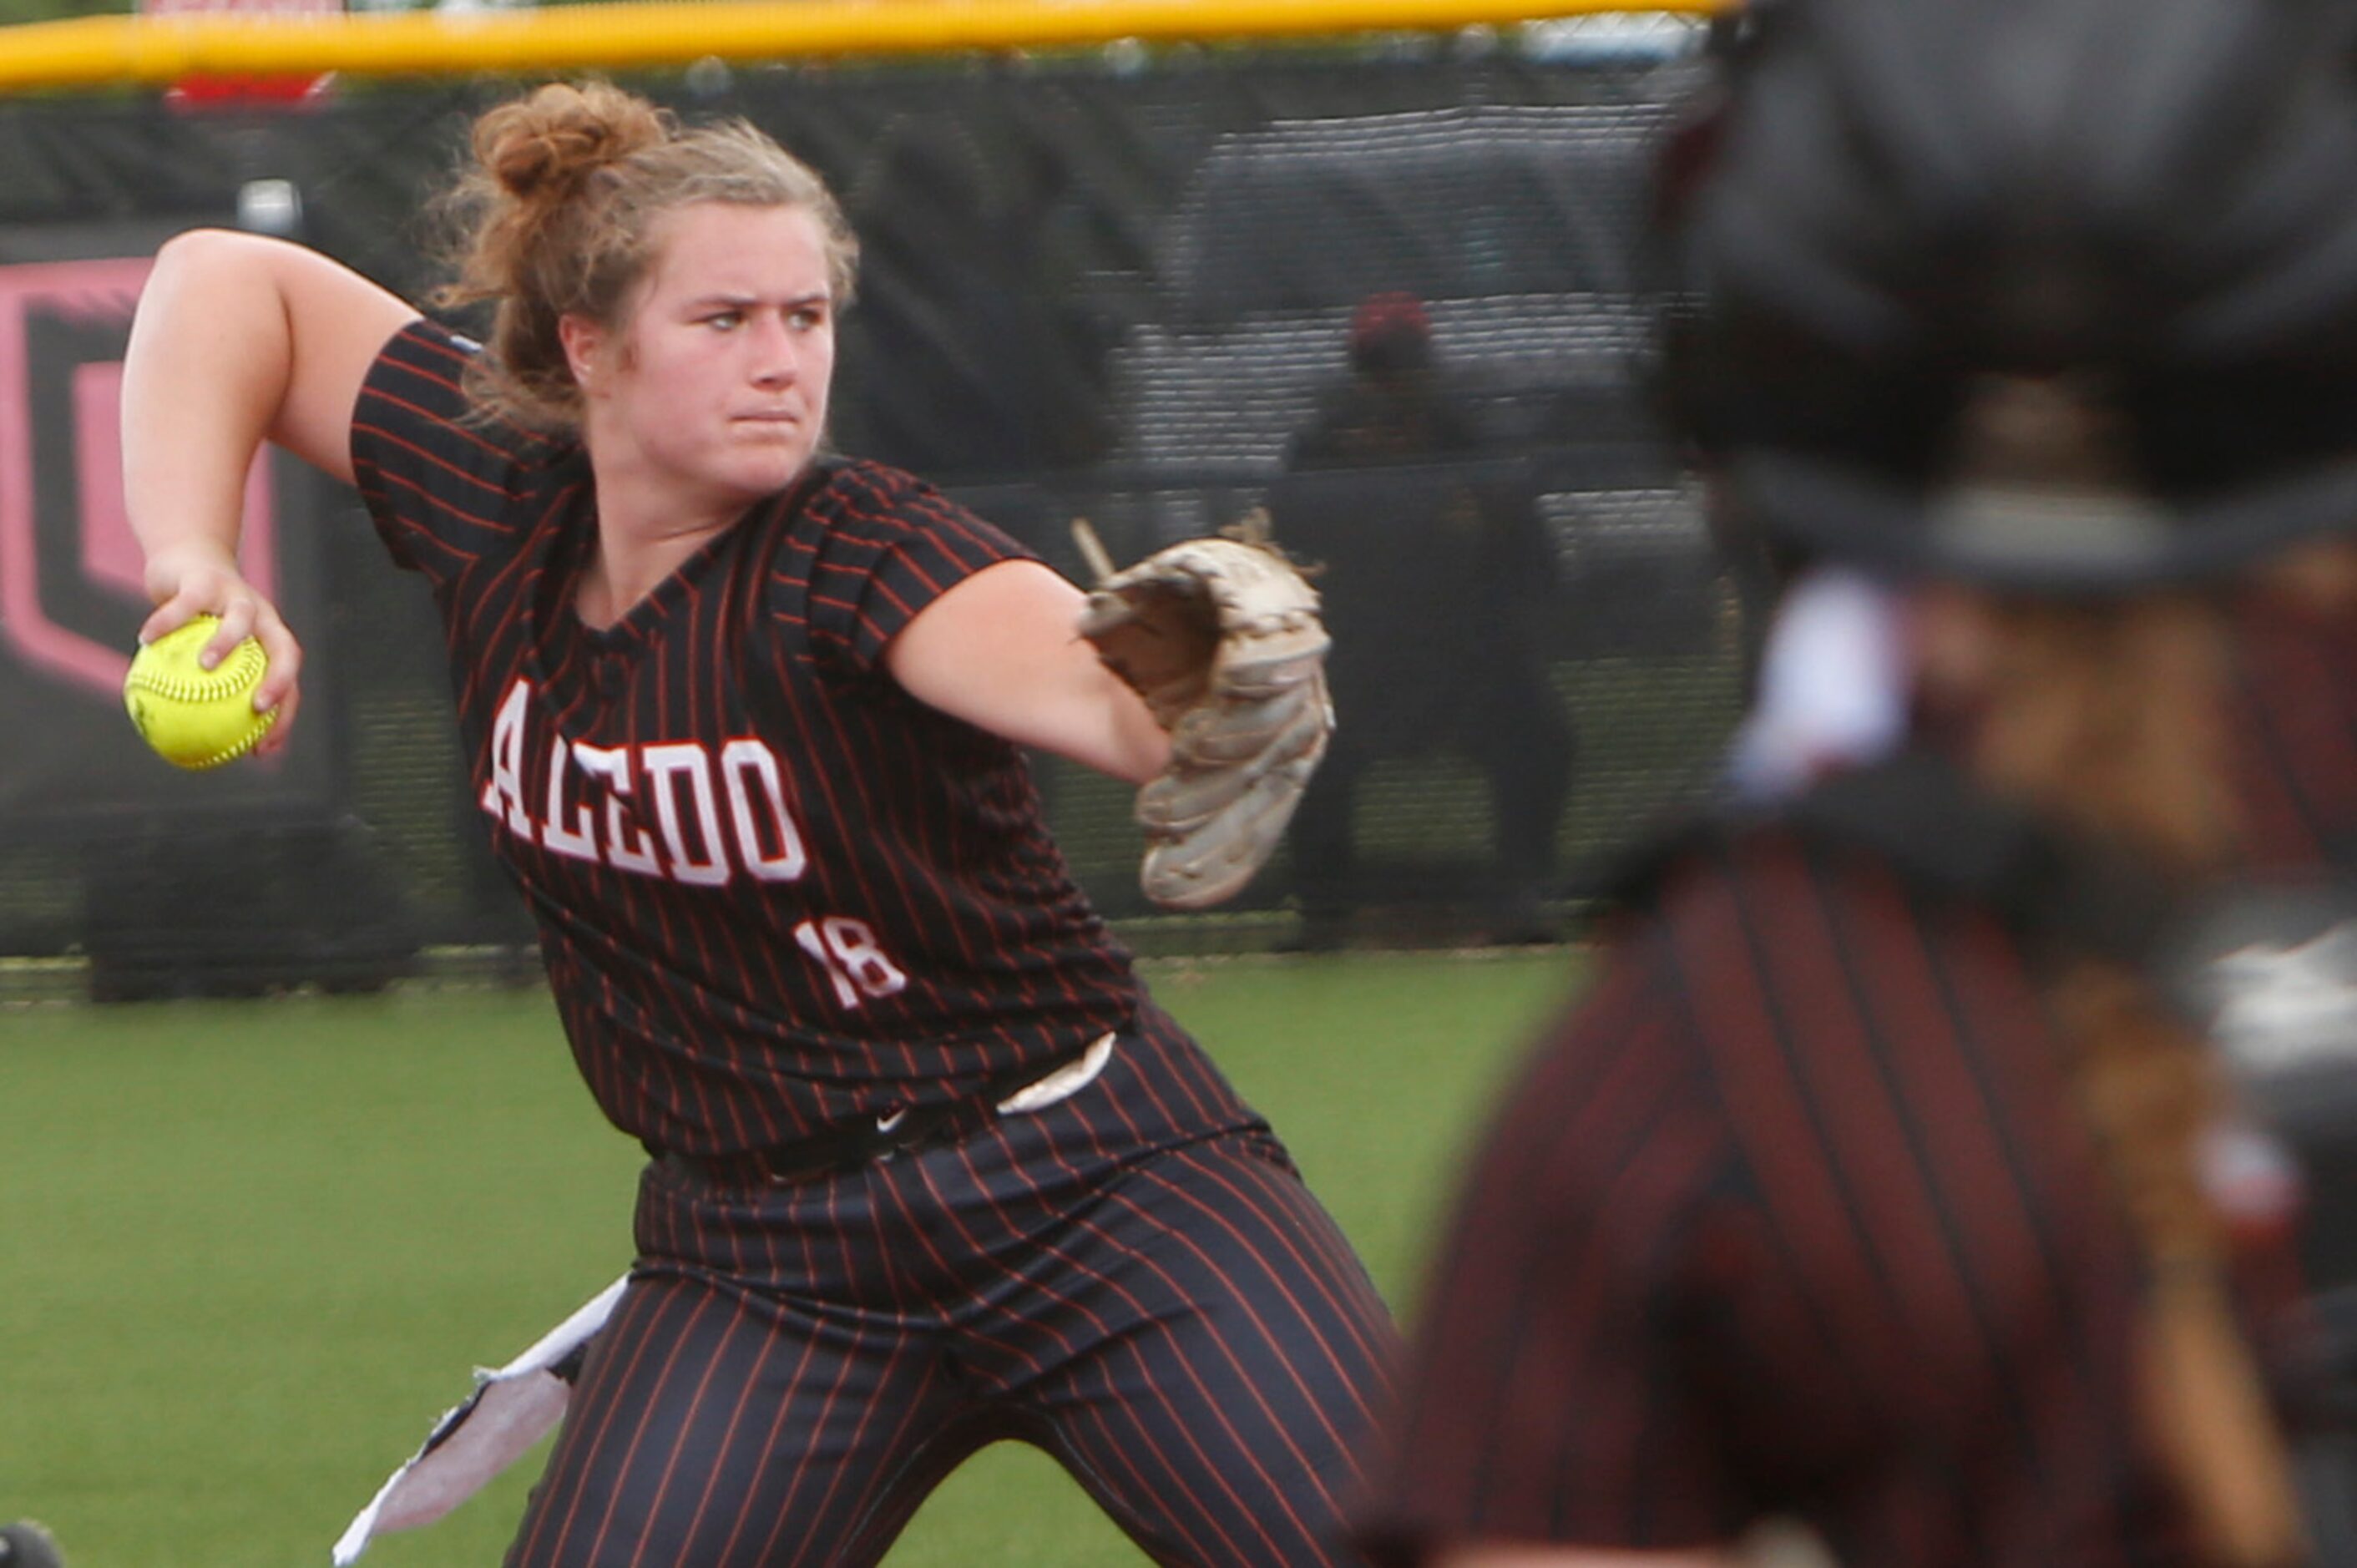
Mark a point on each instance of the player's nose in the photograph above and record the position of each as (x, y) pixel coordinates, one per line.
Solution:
(772, 357)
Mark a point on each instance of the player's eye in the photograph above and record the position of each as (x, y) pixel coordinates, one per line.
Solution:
(724, 320)
(807, 318)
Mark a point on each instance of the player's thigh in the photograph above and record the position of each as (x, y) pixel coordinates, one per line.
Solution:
(1227, 1358)
(730, 1430)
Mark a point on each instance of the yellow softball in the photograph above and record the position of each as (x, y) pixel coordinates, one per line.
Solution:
(193, 717)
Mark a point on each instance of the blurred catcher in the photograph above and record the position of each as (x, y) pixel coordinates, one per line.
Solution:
(1903, 1171)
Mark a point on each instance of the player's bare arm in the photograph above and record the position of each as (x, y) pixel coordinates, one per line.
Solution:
(238, 340)
(999, 651)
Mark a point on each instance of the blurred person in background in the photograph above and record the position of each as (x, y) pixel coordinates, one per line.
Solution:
(928, 1168)
(1441, 587)
(1896, 1176)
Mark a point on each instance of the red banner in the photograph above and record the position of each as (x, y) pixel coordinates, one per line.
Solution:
(237, 91)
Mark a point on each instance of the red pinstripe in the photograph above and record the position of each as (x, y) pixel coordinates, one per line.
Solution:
(391, 436)
(1194, 1168)
(805, 1472)
(669, 1468)
(424, 491)
(1736, 1012)
(711, 1494)
(1999, 1001)
(1509, 1460)
(1644, 1195)
(1885, 1188)
(882, 1498)
(1084, 1464)
(1135, 1353)
(2295, 732)
(1895, 961)
(640, 1346)
(496, 439)
(776, 1441)
(1238, 1382)
(1367, 1351)
(672, 1346)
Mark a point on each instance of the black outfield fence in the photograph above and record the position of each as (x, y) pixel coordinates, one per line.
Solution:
(1392, 298)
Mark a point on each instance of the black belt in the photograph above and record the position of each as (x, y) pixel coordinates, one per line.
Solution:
(848, 1146)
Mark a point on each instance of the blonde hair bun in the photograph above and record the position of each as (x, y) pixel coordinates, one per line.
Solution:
(541, 148)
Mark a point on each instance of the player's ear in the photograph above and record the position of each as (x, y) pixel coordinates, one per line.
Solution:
(589, 350)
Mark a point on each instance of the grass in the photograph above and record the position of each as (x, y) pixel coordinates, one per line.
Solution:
(254, 1248)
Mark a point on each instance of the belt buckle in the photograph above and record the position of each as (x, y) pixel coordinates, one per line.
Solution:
(776, 1175)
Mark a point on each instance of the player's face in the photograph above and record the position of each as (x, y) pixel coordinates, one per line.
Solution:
(719, 388)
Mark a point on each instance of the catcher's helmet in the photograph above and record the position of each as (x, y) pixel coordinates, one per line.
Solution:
(25, 1544)
(2054, 295)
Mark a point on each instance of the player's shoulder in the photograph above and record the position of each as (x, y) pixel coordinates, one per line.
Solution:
(423, 340)
(424, 362)
(421, 378)
(861, 492)
(1908, 840)
(1701, 892)
(864, 507)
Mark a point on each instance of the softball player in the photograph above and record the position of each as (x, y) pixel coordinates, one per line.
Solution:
(1873, 1184)
(928, 1167)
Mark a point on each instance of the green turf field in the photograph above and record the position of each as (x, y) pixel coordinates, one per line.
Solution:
(253, 1248)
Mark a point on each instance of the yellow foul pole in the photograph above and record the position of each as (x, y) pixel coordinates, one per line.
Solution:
(100, 51)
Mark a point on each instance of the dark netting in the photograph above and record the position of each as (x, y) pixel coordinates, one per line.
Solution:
(1387, 294)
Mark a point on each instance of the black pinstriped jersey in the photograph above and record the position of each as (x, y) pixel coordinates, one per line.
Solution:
(773, 890)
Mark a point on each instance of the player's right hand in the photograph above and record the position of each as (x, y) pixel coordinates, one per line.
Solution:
(186, 580)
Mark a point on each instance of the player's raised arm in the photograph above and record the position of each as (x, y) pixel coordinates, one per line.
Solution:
(238, 339)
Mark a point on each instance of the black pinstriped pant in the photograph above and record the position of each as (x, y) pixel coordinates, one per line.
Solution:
(1163, 1308)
